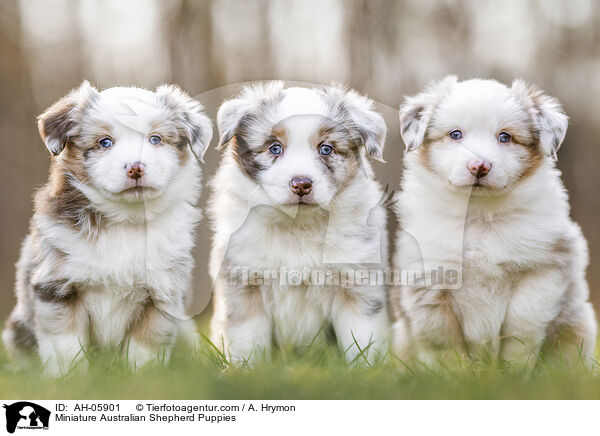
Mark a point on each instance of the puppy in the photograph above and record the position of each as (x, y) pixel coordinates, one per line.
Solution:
(483, 205)
(108, 258)
(294, 205)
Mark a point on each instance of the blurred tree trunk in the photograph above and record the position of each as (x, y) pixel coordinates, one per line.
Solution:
(190, 33)
(18, 140)
(359, 36)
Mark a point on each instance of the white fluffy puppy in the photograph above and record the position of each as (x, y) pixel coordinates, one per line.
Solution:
(294, 206)
(108, 258)
(484, 210)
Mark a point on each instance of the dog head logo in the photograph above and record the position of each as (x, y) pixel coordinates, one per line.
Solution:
(26, 415)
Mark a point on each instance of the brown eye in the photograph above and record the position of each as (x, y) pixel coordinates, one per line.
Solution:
(504, 137)
(456, 135)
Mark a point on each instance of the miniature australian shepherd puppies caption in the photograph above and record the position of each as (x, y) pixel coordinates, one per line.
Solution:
(108, 258)
(293, 206)
(483, 206)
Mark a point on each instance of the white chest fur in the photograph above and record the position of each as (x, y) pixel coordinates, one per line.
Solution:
(300, 246)
(117, 271)
(495, 242)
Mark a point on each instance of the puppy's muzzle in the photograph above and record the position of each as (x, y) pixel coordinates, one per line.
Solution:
(135, 170)
(301, 186)
(479, 168)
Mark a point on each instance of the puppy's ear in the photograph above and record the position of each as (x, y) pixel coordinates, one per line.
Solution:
(369, 123)
(189, 116)
(232, 112)
(416, 112)
(57, 122)
(229, 116)
(547, 113)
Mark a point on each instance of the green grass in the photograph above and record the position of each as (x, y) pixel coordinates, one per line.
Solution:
(317, 373)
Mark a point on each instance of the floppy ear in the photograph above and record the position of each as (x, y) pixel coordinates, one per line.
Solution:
(189, 115)
(229, 116)
(57, 122)
(416, 112)
(231, 112)
(370, 124)
(547, 114)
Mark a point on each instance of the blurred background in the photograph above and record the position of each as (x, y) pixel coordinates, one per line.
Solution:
(386, 49)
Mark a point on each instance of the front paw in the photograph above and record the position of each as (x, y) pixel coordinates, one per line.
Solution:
(62, 355)
(248, 357)
(54, 368)
(141, 356)
(519, 351)
(366, 352)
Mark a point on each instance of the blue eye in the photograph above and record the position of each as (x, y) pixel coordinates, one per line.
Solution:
(325, 149)
(504, 137)
(456, 135)
(105, 142)
(155, 139)
(276, 149)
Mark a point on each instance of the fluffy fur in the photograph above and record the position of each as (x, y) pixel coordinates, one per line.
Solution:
(108, 257)
(260, 224)
(520, 259)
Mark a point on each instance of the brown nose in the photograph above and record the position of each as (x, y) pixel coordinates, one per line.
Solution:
(479, 168)
(301, 185)
(135, 170)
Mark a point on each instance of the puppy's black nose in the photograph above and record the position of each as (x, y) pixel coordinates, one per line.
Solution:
(135, 171)
(479, 168)
(301, 185)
